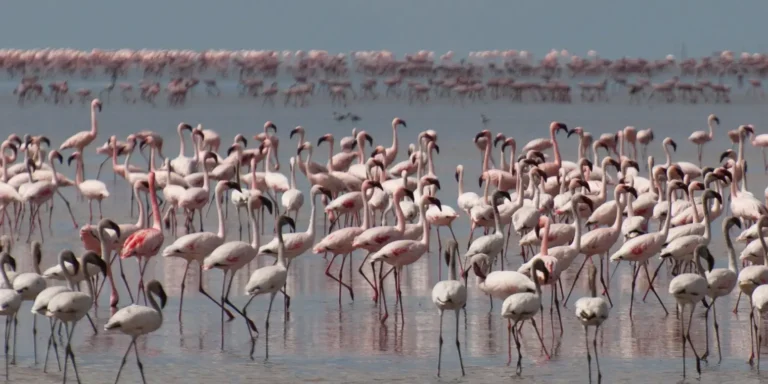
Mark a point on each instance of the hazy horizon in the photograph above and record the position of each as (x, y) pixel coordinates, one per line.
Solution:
(613, 29)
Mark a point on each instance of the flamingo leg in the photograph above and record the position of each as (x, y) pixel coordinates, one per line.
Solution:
(440, 344)
(138, 362)
(597, 359)
(125, 357)
(183, 285)
(266, 326)
(200, 289)
(589, 356)
(575, 279)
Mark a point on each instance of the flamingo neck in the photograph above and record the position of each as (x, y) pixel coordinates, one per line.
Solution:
(293, 175)
(220, 214)
(67, 276)
(711, 129)
(311, 229)
(206, 181)
(503, 159)
(330, 155)
(708, 222)
(555, 147)
(668, 219)
(366, 211)
(94, 123)
(155, 305)
(395, 143)
(512, 160)
(102, 243)
(55, 178)
(255, 233)
(486, 154)
(399, 213)
(140, 222)
(669, 156)
(619, 212)
(280, 247)
(182, 143)
(461, 180)
(155, 207)
(732, 265)
(696, 217)
(576, 242)
(79, 171)
(360, 153)
(545, 240)
(424, 226)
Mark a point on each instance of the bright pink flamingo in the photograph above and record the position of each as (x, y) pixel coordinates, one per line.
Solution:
(701, 137)
(145, 242)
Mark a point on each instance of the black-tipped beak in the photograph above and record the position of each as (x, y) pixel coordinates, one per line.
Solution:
(59, 157)
(571, 132)
(497, 139)
(231, 149)
(457, 176)
(293, 132)
(673, 144)
(321, 140)
(585, 185)
(437, 148)
(70, 158)
(186, 127)
(435, 201)
(725, 155)
(562, 126)
(409, 194)
(631, 190)
(480, 181)
(369, 139)
(47, 142)
(234, 185)
(588, 202)
(479, 136)
(272, 126)
(267, 203)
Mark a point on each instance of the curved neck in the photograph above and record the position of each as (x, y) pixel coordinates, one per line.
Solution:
(220, 214)
(555, 147)
(576, 243)
(142, 212)
(311, 228)
(668, 219)
(67, 276)
(399, 213)
(5, 277)
(619, 212)
(55, 177)
(103, 243)
(155, 207)
(545, 240)
(182, 143)
(424, 226)
(155, 305)
(306, 164)
(94, 123)
(732, 265)
(255, 233)
(293, 174)
(486, 154)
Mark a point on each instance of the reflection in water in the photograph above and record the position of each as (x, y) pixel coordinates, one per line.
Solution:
(320, 339)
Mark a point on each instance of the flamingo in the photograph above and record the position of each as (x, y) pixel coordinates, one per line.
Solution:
(182, 164)
(450, 295)
(404, 252)
(10, 302)
(137, 320)
(641, 248)
(272, 278)
(196, 246)
(71, 306)
(341, 241)
(82, 139)
(195, 198)
(592, 311)
(42, 191)
(523, 306)
(391, 153)
(688, 289)
(753, 276)
(316, 167)
(145, 242)
(292, 199)
(90, 189)
(644, 137)
(493, 243)
(30, 284)
(701, 137)
(233, 255)
(721, 282)
(40, 305)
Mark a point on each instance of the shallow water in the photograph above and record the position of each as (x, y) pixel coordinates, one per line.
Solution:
(323, 340)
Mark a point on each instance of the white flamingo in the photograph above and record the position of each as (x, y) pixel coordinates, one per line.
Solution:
(450, 295)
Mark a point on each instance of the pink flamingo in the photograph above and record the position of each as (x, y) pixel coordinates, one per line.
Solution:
(82, 139)
(391, 153)
(145, 242)
(551, 168)
(701, 137)
(762, 142)
(403, 252)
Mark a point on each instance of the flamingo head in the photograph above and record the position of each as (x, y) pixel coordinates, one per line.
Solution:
(363, 135)
(54, 154)
(696, 186)
(748, 129)
(433, 145)
(509, 142)
(586, 162)
(429, 180)
(730, 222)
(557, 126)
(378, 150)
(623, 188)
(536, 155)
(239, 138)
(483, 134)
(409, 194)
(728, 154)
(670, 142)
(579, 198)
(724, 173)
(270, 125)
(306, 145)
(69, 257)
(106, 223)
(674, 171)
(612, 162)
(575, 183)
(709, 195)
(543, 220)
(673, 185)
(578, 130)
(297, 130)
(257, 200)
(327, 137)
(499, 137)
(96, 104)
(42, 139)
(539, 267)
(91, 257)
(702, 252)
(398, 121)
(627, 163)
(499, 196)
(7, 259)
(14, 138)
(198, 134)
(184, 127)
(319, 189)
(283, 221)
(236, 148)
(429, 200)
(37, 253)
(713, 119)
(155, 287)
(73, 156)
